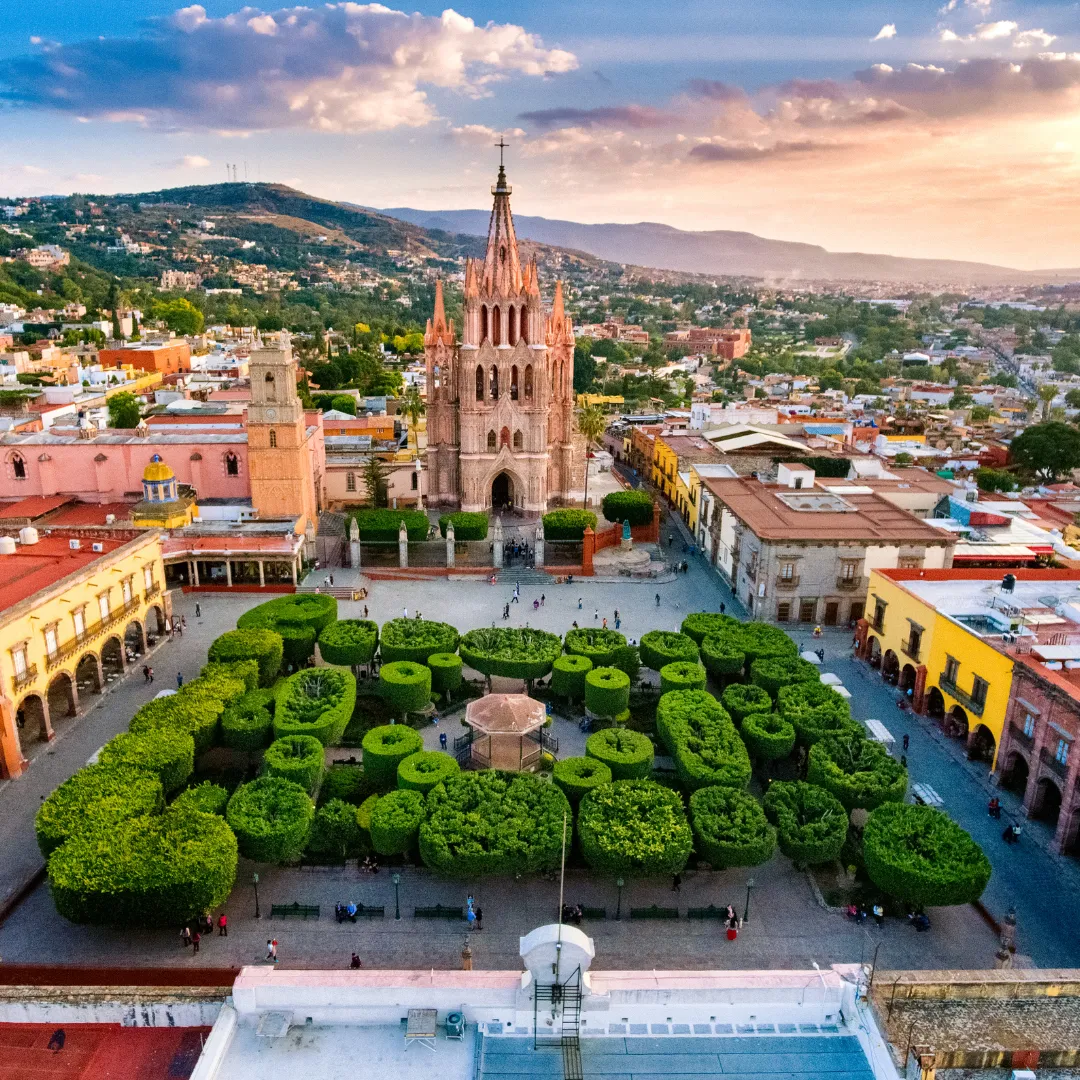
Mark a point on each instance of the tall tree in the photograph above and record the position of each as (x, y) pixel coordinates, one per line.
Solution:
(413, 407)
(592, 423)
(1046, 395)
(1050, 450)
(376, 481)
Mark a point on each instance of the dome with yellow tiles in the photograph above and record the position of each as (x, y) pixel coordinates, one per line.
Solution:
(157, 471)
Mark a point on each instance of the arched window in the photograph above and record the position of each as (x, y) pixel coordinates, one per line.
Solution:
(269, 376)
(436, 375)
(528, 382)
(273, 437)
(491, 441)
(483, 323)
(504, 437)
(514, 383)
(511, 325)
(494, 382)
(19, 467)
(479, 383)
(496, 326)
(523, 329)
(518, 442)
(350, 481)
(232, 465)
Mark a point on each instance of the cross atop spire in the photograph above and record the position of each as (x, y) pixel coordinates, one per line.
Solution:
(502, 144)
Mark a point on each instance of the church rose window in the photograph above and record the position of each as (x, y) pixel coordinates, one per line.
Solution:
(491, 440)
(479, 383)
(528, 382)
(513, 380)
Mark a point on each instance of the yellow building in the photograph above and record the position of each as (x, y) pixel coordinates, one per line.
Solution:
(608, 402)
(674, 458)
(74, 614)
(162, 506)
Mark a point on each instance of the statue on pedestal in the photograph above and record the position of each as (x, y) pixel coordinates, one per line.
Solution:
(627, 540)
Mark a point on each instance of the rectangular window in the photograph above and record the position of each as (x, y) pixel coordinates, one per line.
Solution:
(914, 642)
(80, 622)
(952, 668)
(148, 577)
(1061, 754)
(414, 481)
(783, 612)
(18, 657)
(879, 616)
(909, 562)
(1029, 726)
(50, 640)
(350, 481)
(125, 585)
(103, 606)
(978, 690)
(787, 571)
(847, 571)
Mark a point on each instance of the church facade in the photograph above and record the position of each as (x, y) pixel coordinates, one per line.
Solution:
(500, 402)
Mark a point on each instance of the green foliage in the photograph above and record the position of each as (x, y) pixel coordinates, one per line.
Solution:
(662, 647)
(628, 660)
(169, 755)
(344, 782)
(702, 740)
(811, 824)
(859, 772)
(426, 768)
(257, 643)
(446, 672)
(382, 525)
(297, 618)
(334, 831)
(316, 701)
(180, 315)
(682, 675)
(385, 748)
(814, 710)
(700, 624)
(349, 642)
(635, 828)
(576, 776)
(247, 724)
(416, 640)
(494, 822)
(194, 709)
(758, 639)
(568, 524)
(996, 479)
(1049, 451)
(730, 828)
(511, 653)
(597, 644)
(568, 676)
(827, 467)
(768, 736)
(345, 403)
(628, 754)
(124, 410)
(741, 699)
(635, 506)
(299, 758)
(395, 822)
(921, 856)
(271, 818)
(247, 671)
(405, 686)
(773, 672)
(363, 818)
(467, 526)
(607, 691)
(96, 798)
(206, 797)
(722, 655)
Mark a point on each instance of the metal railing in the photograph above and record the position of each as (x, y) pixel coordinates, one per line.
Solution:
(970, 703)
(908, 649)
(850, 583)
(1020, 736)
(1052, 763)
(74, 644)
(791, 582)
(24, 678)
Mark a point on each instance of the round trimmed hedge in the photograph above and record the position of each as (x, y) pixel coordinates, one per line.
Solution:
(316, 701)
(859, 772)
(349, 642)
(247, 671)
(921, 856)
(206, 797)
(635, 506)
(628, 754)
(607, 691)
(702, 740)
(395, 822)
(334, 831)
(576, 776)
(722, 656)
(759, 639)
(258, 643)
(363, 819)
(415, 640)
(299, 758)
(511, 653)
(701, 624)
(423, 770)
(195, 709)
(568, 676)
(446, 673)
(169, 755)
(467, 525)
(742, 699)
(599, 645)
(815, 711)
(811, 824)
(385, 748)
(298, 618)
(157, 870)
(730, 828)
(271, 818)
(97, 796)
(568, 524)
(494, 822)
(682, 675)
(662, 647)
(405, 685)
(247, 724)
(768, 736)
(772, 673)
(635, 828)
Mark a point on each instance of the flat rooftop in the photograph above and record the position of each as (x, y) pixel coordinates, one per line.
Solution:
(34, 567)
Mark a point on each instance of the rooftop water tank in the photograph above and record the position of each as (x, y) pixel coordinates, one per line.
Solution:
(28, 535)
(7, 545)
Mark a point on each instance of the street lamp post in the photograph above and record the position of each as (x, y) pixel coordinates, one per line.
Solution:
(746, 911)
(618, 907)
(255, 885)
(396, 879)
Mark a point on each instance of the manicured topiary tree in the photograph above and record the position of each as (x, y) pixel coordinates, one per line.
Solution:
(700, 624)
(494, 822)
(385, 748)
(730, 828)
(297, 618)
(814, 710)
(511, 653)
(635, 506)
(741, 699)
(811, 824)
(577, 776)
(248, 723)
(299, 758)
(446, 673)
(921, 856)
(195, 709)
(702, 740)
(423, 770)
(628, 754)
(247, 671)
(169, 755)
(634, 828)
(662, 647)
(349, 642)
(316, 701)
(768, 736)
(363, 819)
(682, 675)
(405, 686)
(395, 822)
(334, 831)
(607, 692)
(415, 640)
(271, 818)
(467, 526)
(206, 797)
(380, 526)
(599, 645)
(723, 656)
(859, 772)
(568, 676)
(568, 524)
(256, 643)
(344, 782)
(759, 639)
(772, 673)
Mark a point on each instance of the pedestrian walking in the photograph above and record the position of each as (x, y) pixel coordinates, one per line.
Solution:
(183, 622)
(222, 925)
(605, 623)
(179, 679)
(579, 603)
(616, 614)
(906, 739)
(198, 611)
(195, 939)
(208, 924)
(618, 622)
(595, 614)
(271, 950)
(146, 672)
(536, 605)
(676, 883)
(479, 917)
(542, 599)
(723, 608)
(151, 674)
(405, 613)
(365, 611)
(442, 740)
(185, 936)
(331, 581)
(657, 599)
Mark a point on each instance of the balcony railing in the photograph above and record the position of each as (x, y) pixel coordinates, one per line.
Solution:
(25, 678)
(791, 582)
(154, 590)
(971, 704)
(74, 644)
(850, 584)
(1018, 735)
(1052, 763)
(911, 648)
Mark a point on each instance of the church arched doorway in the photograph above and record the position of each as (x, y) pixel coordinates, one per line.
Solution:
(502, 492)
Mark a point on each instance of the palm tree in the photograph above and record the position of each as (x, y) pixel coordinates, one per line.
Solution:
(1046, 395)
(413, 407)
(592, 423)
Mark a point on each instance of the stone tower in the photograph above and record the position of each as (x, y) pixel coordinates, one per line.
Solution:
(500, 403)
(281, 457)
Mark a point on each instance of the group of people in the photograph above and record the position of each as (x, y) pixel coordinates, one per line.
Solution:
(369, 865)
(859, 913)
(203, 926)
(515, 549)
(345, 911)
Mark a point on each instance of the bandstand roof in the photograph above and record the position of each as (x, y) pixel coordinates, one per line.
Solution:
(505, 714)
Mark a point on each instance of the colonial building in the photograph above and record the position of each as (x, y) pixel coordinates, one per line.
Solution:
(500, 403)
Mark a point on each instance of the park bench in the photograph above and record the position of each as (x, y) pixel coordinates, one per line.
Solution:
(368, 911)
(654, 912)
(594, 913)
(710, 912)
(294, 911)
(439, 911)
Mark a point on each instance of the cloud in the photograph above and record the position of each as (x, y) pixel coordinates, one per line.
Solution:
(482, 135)
(714, 152)
(994, 31)
(712, 90)
(1027, 38)
(885, 33)
(621, 116)
(193, 161)
(341, 67)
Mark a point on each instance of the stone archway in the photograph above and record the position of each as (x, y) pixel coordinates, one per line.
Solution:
(1014, 777)
(956, 724)
(112, 659)
(907, 678)
(935, 704)
(890, 667)
(981, 744)
(61, 697)
(134, 641)
(1047, 803)
(873, 652)
(502, 492)
(32, 721)
(88, 675)
(155, 624)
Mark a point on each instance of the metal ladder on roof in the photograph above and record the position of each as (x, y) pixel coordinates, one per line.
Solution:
(565, 1000)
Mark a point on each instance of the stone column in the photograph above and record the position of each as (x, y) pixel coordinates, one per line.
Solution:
(228, 572)
(450, 546)
(354, 545)
(195, 569)
(12, 762)
(588, 549)
(46, 720)
(497, 540)
(1068, 816)
(294, 572)
(538, 554)
(918, 697)
(403, 547)
(262, 575)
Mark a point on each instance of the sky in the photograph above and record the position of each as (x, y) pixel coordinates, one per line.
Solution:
(934, 129)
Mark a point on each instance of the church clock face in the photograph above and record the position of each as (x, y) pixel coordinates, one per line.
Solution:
(271, 414)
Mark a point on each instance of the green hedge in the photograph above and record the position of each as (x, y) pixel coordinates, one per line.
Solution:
(247, 671)
(635, 828)
(607, 691)
(298, 618)
(467, 526)
(662, 647)
(722, 656)
(634, 506)
(248, 724)
(628, 660)
(385, 748)
(815, 710)
(576, 776)
(682, 675)
(256, 643)
(730, 828)
(568, 676)
(511, 653)
(395, 822)
(768, 736)
(316, 701)
(206, 797)
(363, 819)
(859, 772)
(600, 646)
(742, 699)
(415, 640)
(921, 856)
(700, 624)
(98, 796)
(628, 754)
(349, 642)
(405, 686)
(381, 526)
(702, 740)
(446, 672)
(811, 824)
(334, 831)
(772, 673)
(160, 870)
(759, 639)
(271, 818)
(344, 782)
(494, 822)
(299, 758)
(568, 524)
(426, 768)
(194, 709)
(169, 755)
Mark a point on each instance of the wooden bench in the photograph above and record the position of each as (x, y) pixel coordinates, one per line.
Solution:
(367, 911)
(294, 911)
(710, 912)
(439, 911)
(594, 912)
(654, 912)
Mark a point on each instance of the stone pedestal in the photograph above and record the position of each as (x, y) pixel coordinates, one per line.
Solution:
(403, 547)
(450, 546)
(354, 545)
(498, 540)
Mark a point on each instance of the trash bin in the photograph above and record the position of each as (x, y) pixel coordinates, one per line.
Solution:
(455, 1026)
